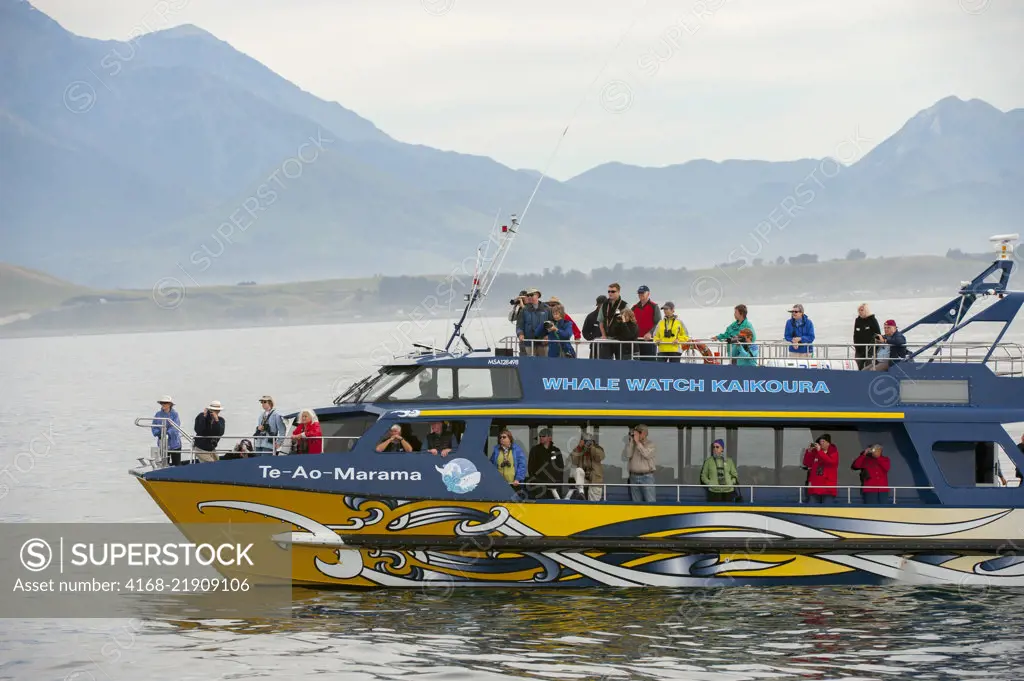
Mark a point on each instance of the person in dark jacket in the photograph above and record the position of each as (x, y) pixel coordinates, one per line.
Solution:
(895, 350)
(865, 330)
(622, 328)
(874, 475)
(558, 331)
(591, 328)
(606, 315)
(209, 427)
(439, 440)
(545, 468)
(532, 318)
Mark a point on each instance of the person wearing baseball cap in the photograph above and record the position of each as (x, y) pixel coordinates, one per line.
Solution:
(647, 314)
(209, 427)
(670, 334)
(162, 420)
(799, 333)
(532, 319)
(270, 429)
(895, 346)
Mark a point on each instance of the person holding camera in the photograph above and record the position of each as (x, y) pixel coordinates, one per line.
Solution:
(270, 429)
(510, 460)
(732, 332)
(874, 475)
(530, 327)
(821, 460)
(588, 460)
(517, 303)
(209, 427)
(744, 352)
(558, 332)
(394, 441)
(641, 457)
(894, 347)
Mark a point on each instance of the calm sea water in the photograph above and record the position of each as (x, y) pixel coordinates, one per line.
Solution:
(67, 442)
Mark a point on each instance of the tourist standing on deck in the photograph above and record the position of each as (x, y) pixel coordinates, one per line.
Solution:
(623, 329)
(612, 306)
(800, 333)
(640, 455)
(719, 474)
(744, 351)
(874, 475)
(895, 349)
(558, 331)
(439, 441)
(865, 330)
(270, 429)
(647, 314)
(307, 438)
(517, 307)
(576, 333)
(532, 318)
(670, 334)
(209, 428)
(821, 460)
(546, 469)
(510, 460)
(166, 413)
(592, 329)
(588, 458)
(732, 332)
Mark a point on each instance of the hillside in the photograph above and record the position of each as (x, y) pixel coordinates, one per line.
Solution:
(51, 307)
(189, 158)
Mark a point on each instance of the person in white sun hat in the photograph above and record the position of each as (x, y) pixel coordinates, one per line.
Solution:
(167, 414)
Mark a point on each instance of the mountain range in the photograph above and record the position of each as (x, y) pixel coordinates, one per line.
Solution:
(175, 155)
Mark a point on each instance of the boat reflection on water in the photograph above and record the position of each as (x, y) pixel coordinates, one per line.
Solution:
(730, 633)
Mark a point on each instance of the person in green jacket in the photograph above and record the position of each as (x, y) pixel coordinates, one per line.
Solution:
(719, 473)
(732, 332)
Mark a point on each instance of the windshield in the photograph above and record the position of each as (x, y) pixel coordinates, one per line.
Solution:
(372, 387)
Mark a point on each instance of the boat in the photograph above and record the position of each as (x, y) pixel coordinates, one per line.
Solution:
(359, 518)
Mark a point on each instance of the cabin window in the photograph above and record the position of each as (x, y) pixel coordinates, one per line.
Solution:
(753, 450)
(418, 435)
(428, 384)
(490, 383)
(341, 434)
(934, 392)
(969, 464)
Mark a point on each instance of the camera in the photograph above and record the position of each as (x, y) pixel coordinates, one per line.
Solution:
(549, 325)
(669, 333)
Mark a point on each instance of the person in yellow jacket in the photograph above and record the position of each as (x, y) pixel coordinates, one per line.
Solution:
(670, 334)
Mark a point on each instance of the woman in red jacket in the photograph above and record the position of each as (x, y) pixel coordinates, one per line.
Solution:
(874, 475)
(821, 460)
(307, 438)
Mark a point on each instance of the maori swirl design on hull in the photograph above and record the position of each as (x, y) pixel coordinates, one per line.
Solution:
(477, 563)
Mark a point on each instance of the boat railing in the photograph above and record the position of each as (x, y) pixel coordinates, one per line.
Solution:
(1004, 359)
(747, 494)
(160, 454)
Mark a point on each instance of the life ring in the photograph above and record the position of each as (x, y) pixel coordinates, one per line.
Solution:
(709, 357)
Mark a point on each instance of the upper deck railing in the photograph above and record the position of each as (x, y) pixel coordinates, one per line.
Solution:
(1006, 359)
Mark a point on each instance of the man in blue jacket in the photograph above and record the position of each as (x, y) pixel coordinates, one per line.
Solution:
(800, 333)
(530, 327)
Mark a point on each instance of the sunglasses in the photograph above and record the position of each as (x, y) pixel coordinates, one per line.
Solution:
(611, 290)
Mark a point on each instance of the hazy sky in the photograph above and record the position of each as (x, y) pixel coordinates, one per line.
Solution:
(718, 79)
